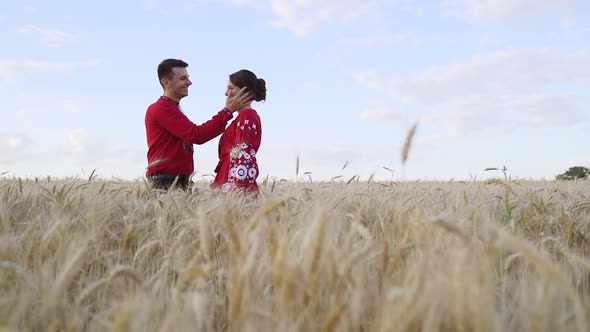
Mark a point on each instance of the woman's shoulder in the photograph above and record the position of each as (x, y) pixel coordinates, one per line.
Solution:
(248, 113)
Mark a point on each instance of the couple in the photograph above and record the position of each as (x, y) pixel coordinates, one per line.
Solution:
(171, 135)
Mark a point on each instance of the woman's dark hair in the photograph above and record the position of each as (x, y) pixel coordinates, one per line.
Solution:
(246, 78)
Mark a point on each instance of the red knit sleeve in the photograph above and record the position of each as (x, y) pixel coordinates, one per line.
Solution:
(180, 126)
(243, 168)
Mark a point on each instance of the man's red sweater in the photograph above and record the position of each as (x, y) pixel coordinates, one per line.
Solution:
(171, 135)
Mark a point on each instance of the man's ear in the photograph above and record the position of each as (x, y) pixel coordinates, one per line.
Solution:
(164, 81)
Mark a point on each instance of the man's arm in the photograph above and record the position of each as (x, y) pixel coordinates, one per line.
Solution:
(180, 126)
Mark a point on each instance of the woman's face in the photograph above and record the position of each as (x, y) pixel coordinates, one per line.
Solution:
(231, 89)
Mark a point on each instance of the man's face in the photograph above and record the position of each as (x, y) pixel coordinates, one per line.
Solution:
(178, 86)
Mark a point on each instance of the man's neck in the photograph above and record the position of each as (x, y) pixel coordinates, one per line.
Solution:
(172, 97)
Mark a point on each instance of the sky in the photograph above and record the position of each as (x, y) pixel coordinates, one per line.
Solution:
(490, 83)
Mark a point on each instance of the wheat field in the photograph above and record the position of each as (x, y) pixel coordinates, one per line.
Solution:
(98, 255)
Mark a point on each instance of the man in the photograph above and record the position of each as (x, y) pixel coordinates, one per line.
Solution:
(171, 135)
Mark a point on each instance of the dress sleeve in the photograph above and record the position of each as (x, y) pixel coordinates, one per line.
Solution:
(243, 166)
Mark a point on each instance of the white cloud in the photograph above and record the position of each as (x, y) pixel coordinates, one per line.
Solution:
(493, 10)
(14, 142)
(371, 79)
(500, 73)
(76, 141)
(50, 37)
(303, 16)
(380, 39)
(82, 146)
(488, 115)
(464, 117)
(495, 92)
(12, 68)
(379, 115)
(14, 147)
(565, 109)
(79, 150)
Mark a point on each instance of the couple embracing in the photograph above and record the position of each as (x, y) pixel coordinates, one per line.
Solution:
(171, 135)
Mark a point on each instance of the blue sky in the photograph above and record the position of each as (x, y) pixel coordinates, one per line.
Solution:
(491, 83)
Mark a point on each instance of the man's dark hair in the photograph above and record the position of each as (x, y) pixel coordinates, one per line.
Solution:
(165, 68)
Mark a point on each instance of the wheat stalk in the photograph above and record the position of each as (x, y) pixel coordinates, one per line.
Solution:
(408, 143)
(105, 255)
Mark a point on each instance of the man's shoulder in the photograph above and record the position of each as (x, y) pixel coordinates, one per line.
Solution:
(159, 104)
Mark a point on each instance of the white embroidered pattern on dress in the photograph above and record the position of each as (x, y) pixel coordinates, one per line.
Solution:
(243, 165)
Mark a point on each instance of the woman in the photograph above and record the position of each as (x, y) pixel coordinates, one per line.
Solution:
(239, 143)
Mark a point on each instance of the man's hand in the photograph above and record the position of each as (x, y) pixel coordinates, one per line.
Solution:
(239, 100)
